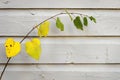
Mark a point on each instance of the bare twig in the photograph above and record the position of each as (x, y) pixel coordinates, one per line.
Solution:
(28, 35)
(4, 68)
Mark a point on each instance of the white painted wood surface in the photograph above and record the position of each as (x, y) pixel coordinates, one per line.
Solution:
(18, 22)
(60, 4)
(71, 50)
(58, 72)
(92, 54)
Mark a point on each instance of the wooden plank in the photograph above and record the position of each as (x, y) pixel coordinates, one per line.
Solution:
(19, 22)
(57, 4)
(60, 72)
(71, 50)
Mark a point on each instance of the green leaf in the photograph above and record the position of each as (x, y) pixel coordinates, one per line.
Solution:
(59, 24)
(77, 22)
(92, 19)
(85, 21)
(69, 15)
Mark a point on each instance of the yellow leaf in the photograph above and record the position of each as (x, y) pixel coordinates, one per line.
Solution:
(12, 47)
(33, 48)
(43, 29)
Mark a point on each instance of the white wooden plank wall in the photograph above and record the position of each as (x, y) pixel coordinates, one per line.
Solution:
(92, 54)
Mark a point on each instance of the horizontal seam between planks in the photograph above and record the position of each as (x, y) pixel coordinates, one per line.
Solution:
(117, 36)
(61, 64)
(59, 8)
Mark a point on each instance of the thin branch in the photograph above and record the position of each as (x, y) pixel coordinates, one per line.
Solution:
(23, 40)
(4, 68)
(28, 35)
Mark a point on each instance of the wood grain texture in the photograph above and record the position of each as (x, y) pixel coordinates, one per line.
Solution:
(71, 50)
(19, 22)
(57, 4)
(92, 54)
(59, 72)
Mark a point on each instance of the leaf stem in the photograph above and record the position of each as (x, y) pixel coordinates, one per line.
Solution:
(6, 64)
